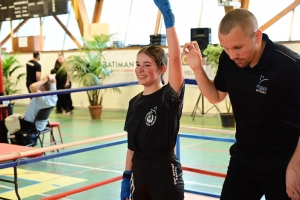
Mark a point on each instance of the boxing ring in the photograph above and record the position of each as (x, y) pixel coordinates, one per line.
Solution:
(18, 153)
(23, 156)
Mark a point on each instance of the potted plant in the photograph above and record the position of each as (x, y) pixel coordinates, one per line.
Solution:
(212, 54)
(10, 64)
(90, 69)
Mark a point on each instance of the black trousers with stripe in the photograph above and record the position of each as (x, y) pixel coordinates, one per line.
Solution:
(156, 176)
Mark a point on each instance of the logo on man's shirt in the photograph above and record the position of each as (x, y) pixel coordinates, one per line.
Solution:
(29, 63)
(151, 117)
(259, 87)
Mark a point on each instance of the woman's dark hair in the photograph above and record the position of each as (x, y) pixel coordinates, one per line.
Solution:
(158, 55)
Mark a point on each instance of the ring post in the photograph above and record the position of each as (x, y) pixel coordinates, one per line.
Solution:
(178, 147)
(1, 76)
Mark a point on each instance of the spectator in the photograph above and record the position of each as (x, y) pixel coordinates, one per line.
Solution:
(33, 69)
(53, 71)
(63, 82)
(47, 83)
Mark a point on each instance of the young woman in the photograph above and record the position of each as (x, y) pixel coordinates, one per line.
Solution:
(53, 71)
(63, 82)
(152, 122)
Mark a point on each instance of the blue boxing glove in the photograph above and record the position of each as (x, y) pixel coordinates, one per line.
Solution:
(125, 185)
(165, 7)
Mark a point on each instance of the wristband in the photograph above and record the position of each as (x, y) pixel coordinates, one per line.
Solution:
(127, 174)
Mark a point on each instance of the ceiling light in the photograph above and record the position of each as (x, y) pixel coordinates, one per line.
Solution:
(229, 3)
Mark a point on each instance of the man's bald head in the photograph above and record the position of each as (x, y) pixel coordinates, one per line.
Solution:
(238, 17)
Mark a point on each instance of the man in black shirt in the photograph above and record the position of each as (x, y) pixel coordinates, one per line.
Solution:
(33, 69)
(262, 80)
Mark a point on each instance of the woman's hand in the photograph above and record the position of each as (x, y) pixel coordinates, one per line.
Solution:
(67, 85)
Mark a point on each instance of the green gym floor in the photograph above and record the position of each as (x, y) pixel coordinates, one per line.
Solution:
(46, 178)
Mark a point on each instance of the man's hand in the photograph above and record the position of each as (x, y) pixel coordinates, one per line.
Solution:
(51, 78)
(45, 79)
(293, 184)
(293, 181)
(292, 177)
(165, 7)
(193, 54)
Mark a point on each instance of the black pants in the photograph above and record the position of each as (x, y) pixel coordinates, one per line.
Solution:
(156, 176)
(27, 85)
(3, 132)
(66, 102)
(58, 103)
(249, 179)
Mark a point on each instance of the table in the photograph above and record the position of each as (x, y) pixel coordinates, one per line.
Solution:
(5, 108)
(8, 149)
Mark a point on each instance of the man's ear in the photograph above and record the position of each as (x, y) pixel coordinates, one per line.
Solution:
(258, 35)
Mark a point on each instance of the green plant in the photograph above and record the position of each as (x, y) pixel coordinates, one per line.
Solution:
(9, 66)
(89, 68)
(212, 54)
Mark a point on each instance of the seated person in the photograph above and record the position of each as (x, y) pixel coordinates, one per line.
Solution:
(47, 83)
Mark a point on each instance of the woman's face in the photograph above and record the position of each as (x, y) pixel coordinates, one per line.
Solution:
(147, 71)
(61, 59)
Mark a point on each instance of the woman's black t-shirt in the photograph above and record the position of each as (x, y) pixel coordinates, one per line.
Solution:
(152, 121)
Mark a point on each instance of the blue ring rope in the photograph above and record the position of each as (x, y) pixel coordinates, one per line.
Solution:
(206, 137)
(66, 153)
(66, 91)
(190, 81)
(82, 89)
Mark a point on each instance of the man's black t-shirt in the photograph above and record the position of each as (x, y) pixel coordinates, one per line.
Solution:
(32, 67)
(265, 99)
(152, 121)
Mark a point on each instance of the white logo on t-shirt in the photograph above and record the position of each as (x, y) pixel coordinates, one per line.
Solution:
(151, 117)
(259, 87)
(31, 64)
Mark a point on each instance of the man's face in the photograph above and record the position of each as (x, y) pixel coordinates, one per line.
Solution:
(39, 56)
(241, 48)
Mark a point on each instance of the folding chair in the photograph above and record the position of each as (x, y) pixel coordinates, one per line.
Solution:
(29, 134)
